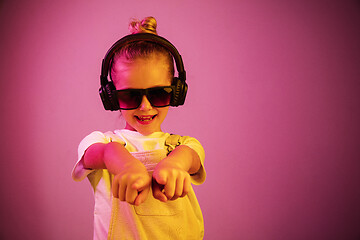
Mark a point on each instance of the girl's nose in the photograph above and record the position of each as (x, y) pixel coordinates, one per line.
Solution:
(145, 104)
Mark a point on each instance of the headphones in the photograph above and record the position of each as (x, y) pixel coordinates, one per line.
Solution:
(107, 89)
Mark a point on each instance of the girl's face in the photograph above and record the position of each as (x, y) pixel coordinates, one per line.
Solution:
(142, 73)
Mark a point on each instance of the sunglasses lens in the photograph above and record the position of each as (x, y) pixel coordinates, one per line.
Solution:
(132, 98)
(160, 97)
(129, 99)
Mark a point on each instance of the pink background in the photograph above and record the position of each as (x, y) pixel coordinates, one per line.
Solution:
(273, 97)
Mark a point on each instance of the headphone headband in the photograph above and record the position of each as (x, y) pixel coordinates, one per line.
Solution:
(148, 37)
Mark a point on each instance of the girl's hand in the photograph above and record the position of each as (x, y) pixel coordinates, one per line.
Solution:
(170, 180)
(171, 177)
(132, 183)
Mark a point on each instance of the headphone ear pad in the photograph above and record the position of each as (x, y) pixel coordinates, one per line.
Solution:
(108, 99)
(180, 92)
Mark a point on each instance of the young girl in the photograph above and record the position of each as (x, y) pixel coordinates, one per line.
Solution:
(142, 176)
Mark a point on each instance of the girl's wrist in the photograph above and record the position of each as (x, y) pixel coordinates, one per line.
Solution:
(117, 157)
(181, 156)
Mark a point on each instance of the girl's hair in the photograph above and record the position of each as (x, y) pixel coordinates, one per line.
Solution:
(143, 49)
(147, 25)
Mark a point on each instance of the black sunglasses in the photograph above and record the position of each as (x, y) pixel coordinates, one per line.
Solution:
(131, 98)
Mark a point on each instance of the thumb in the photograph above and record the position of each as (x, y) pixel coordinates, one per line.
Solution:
(158, 191)
(142, 196)
(160, 178)
(139, 185)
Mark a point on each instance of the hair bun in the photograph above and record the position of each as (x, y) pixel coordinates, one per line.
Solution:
(147, 25)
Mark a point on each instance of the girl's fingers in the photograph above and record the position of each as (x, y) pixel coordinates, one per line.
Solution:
(115, 189)
(187, 186)
(138, 185)
(179, 188)
(143, 188)
(170, 187)
(183, 186)
(176, 185)
(142, 196)
(160, 178)
(131, 195)
(158, 191)
(122, 191)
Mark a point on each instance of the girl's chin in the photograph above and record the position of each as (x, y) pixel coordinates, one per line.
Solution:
(148, 131)
(143, 129)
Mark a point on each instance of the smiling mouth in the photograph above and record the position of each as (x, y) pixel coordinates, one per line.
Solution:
(145, 119)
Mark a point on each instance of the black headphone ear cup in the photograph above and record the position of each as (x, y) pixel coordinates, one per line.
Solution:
(107, 96)
(179, 92)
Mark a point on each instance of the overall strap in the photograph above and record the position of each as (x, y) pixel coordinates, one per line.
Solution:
(172, 142)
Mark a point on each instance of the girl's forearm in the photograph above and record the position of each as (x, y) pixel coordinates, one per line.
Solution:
(117, 157)
(186, 158)
(112, 156)
(93, 157)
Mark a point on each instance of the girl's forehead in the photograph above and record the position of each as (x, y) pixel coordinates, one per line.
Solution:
(122, 63)
(141, 72)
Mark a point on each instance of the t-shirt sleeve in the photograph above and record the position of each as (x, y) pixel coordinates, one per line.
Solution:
(79, 172)
(199, 177)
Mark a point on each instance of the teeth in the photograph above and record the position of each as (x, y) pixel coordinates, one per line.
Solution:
(145, 119)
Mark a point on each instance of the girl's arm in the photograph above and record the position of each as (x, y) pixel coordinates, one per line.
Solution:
(131, 182)
(172, 175)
